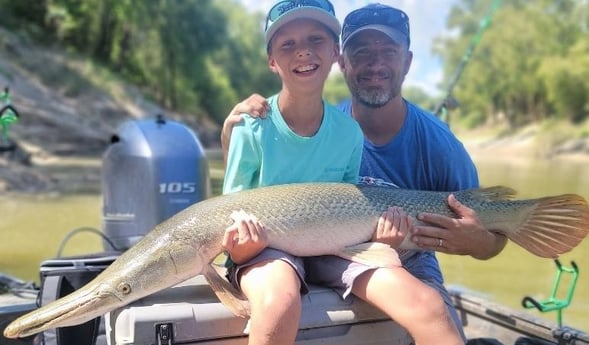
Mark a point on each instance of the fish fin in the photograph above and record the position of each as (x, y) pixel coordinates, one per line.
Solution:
(371, 254)
(227, 293)
(495, 193)
(555, 226)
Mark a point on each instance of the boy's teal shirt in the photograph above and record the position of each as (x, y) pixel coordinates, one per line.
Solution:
(264, 152)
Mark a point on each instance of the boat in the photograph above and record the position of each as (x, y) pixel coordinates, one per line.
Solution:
(190, 313)
(193, 315)
(484, 319)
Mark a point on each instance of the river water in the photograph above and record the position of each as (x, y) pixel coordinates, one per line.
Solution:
(33, 229)
(515, 273)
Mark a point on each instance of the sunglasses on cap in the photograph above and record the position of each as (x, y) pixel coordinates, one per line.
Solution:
(376, 14)
(283, 7)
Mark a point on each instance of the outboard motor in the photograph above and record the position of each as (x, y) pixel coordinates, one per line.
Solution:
(152, 169)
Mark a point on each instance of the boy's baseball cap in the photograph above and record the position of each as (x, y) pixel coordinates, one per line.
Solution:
(386, 19)
(285, 11)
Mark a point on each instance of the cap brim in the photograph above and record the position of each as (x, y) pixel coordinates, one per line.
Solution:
(395, 35)
(305, 12)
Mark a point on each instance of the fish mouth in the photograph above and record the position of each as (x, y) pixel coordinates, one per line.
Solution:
(71, 310)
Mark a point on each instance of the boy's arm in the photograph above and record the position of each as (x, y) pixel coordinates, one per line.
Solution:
(246, 237)
(255, 105)
(243, 160)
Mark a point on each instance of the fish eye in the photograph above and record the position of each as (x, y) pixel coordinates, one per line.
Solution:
(124, 288)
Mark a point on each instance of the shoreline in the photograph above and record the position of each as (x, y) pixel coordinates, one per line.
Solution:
(524, 146)
(45, 173)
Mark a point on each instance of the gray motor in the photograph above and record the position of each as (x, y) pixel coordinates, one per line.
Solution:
(152, 169)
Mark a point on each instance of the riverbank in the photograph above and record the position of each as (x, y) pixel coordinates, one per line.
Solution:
(37, 170)
(531, 142)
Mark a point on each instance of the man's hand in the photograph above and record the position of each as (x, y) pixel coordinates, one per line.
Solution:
(392, 227)
(464, 235)
(245, 239)
(255, 105)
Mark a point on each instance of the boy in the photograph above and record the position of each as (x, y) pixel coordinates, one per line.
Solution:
(303, 139)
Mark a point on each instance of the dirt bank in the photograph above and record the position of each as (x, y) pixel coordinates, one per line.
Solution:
(526, 143)
(67, 117)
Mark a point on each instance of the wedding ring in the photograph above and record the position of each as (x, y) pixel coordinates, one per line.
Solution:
(441, 243)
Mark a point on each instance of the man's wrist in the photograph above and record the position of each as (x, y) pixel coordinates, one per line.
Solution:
(495, 244)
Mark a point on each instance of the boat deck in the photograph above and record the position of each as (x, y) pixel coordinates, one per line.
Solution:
(481, 318)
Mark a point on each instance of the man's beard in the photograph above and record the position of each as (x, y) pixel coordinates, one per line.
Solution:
(373, 97)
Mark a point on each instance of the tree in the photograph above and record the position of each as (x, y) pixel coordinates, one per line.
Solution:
(504, 75)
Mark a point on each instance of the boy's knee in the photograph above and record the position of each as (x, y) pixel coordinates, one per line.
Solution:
(289, 296)
(272, 296)
(430, 299)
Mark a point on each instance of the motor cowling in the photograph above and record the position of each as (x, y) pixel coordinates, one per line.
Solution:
(152, 169)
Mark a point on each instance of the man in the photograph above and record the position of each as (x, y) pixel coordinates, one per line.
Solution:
(404, 145)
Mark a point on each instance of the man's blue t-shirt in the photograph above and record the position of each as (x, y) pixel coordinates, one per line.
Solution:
(424, 155)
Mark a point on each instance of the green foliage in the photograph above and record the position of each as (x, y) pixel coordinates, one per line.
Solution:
(530, 64)
(566, 82)
(202, 56)
(473, 120)
(217, 97)
(336, 90)
(199, 56)
(244, 57)
(21, 14)
(419, 97)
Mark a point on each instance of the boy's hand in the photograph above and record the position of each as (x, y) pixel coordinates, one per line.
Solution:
(245, 239)
(392, 227)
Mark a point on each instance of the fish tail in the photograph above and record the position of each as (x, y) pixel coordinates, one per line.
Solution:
(555, 225)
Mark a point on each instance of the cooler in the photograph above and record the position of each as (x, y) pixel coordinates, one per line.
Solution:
(190, 313)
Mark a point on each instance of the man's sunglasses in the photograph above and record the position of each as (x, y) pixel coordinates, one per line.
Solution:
(283, 7)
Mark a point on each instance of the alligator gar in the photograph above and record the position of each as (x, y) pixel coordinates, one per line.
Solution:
(305, 220)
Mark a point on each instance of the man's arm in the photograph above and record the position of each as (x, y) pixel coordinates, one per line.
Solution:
(255, 105)
(464, 235)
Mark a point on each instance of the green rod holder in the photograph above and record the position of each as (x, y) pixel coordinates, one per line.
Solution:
(8, 115)
(553, 302)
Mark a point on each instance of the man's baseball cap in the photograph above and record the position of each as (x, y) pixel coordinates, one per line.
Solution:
(285, 11)
(386, 19)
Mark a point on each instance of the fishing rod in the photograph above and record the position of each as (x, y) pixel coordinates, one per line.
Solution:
(448, 101)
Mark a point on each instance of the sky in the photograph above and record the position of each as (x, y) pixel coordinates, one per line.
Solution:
(426, 20)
